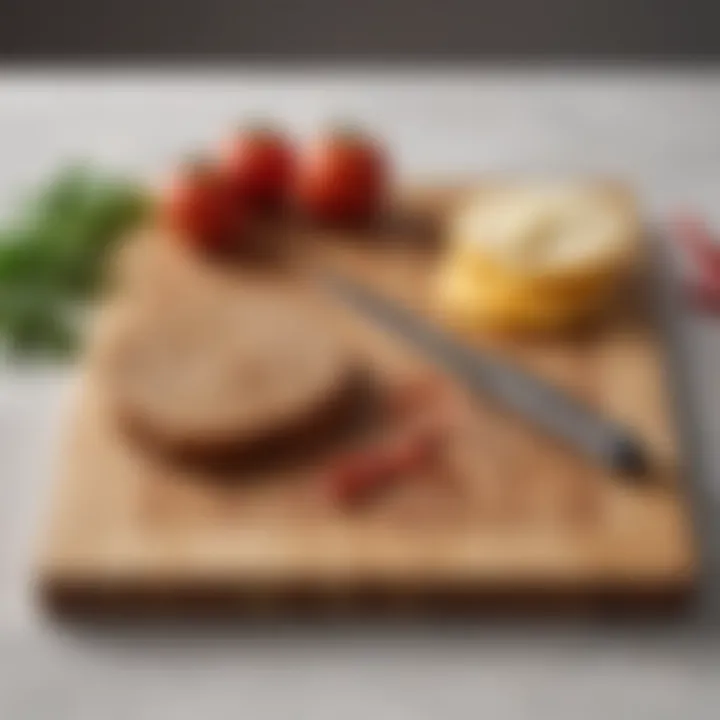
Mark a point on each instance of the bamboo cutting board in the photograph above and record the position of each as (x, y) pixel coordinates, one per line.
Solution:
(513, 517)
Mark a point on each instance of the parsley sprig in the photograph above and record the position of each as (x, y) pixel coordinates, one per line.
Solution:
(53, 255)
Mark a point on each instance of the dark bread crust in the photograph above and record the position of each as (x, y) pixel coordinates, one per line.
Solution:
(293, 435)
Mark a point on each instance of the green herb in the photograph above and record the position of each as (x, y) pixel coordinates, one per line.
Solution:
(52, 257)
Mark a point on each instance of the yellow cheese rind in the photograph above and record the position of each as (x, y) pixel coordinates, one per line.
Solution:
(470, 305)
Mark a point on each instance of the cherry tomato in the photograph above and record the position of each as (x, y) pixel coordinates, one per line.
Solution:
(259, 163)
(343, 178)
(200, 206)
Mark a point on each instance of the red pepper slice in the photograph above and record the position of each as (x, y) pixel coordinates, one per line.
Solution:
(699, 241)
(351, 478)
(354, 477)
(704, 293)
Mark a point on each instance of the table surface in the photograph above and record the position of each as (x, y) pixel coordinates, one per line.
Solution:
(656, 128)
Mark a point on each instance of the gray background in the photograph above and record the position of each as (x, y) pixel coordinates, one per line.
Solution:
(657, 129)
(368, 29)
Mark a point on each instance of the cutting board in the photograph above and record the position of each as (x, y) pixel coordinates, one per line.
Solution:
(513, 520)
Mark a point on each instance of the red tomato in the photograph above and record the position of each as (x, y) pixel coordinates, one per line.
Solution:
(259, 164)
(200, 206)
(343, 178)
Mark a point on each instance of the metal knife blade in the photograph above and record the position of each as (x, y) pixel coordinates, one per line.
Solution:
(555, 411)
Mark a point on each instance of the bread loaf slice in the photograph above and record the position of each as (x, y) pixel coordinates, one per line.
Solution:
(212, 374)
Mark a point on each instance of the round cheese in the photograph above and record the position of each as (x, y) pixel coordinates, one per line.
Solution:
(540, 231)
(529, 257)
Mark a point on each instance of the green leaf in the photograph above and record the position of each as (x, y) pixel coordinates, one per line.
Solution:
(55, 253)
(63, 193)
(35, 322)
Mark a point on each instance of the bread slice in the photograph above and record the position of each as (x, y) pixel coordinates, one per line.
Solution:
(214, 374)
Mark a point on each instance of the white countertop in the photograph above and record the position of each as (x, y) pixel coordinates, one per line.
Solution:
(660, 130)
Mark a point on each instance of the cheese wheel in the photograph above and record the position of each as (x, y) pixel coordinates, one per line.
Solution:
(536, 257)
(548, 233)
(469, 305)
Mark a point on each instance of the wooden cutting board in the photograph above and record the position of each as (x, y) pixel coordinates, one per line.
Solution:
(512, 519)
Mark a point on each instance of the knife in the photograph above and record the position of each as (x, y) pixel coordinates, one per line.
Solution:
(602, 440)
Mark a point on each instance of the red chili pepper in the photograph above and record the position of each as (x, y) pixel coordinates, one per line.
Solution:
(704, 294)
(699, 241)
(353, 477)
(356, 476)
(703, 290)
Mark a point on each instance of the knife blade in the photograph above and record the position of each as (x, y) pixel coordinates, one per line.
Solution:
(566, 418)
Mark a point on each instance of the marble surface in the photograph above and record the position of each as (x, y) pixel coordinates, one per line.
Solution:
(657, 129)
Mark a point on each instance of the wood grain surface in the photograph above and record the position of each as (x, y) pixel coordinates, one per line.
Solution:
(509, 514)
